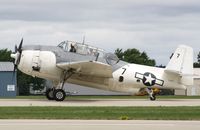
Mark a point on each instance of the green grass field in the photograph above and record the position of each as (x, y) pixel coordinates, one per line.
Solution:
(114, 113)
(108, 113)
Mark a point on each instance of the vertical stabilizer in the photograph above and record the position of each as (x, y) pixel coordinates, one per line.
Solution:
(181, 63)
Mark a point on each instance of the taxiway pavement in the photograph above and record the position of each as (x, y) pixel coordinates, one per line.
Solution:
(98, 125)
(101, 102)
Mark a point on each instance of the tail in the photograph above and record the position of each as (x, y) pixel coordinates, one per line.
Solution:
(181, 64)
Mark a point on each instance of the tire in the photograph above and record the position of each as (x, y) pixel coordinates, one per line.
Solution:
(50, 94)
(153, 98)
(59, 95)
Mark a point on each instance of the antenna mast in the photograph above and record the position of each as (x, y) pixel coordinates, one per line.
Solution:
(83, 39)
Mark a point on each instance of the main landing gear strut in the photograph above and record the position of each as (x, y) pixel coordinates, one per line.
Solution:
(152, 96)
(57, 93)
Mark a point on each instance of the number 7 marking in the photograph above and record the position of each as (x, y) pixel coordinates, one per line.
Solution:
(178, 55)
(124, 70)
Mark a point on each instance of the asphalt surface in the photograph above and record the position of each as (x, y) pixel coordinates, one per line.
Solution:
(97, 125)
(101, 102)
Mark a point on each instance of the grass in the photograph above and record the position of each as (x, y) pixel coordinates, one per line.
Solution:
(102, 113)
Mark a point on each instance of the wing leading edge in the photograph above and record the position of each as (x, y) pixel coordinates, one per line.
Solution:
(93, 68)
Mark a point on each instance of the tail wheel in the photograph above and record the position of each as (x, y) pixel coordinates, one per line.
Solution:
(59, 95)
(153, 98)
(49, 94)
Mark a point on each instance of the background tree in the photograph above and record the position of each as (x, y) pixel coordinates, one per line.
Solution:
(23, 80)
(5, 55)
(135, 56)
(198, 57)
(197, 64)
(119, 53)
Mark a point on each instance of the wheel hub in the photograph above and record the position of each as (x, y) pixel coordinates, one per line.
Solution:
(59, 95)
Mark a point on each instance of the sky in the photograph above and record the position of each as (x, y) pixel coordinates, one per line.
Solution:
(154, 26)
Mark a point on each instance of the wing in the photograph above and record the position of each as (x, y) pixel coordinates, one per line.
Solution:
(93, 68)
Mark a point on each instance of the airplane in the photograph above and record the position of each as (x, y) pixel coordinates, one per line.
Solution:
(82, 64)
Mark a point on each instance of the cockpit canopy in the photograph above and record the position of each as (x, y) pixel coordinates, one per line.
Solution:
(80, 48)
(85, 49)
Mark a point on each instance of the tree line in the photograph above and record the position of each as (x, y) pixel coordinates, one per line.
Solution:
(135, 56)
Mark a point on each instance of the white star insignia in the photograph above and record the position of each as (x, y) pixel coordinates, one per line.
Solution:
(149, 79)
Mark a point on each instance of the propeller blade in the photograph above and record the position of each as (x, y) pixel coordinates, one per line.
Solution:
(19, 52)
(17, 56)
(15, 48)
(20, 46)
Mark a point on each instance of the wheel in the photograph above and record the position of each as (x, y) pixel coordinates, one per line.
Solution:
(49, 94)
(59, 95)
(153, 98)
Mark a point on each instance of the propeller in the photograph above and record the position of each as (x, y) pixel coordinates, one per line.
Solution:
(17, 55)
(19, 52)
(15, 48)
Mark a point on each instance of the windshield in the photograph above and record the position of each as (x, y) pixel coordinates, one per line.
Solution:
(80, 48)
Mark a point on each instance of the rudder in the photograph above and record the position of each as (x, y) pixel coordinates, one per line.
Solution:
(181, 63)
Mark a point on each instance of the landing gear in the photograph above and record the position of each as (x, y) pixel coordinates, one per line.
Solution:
(50, 94)
(55, 94)
(59, 95)
(152, 96)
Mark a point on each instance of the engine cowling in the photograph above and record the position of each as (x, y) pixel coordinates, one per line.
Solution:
(40, 64)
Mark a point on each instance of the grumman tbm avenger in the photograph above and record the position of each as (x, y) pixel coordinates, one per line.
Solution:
(82, 64)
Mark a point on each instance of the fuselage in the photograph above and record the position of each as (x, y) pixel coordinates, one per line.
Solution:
(41, 61)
